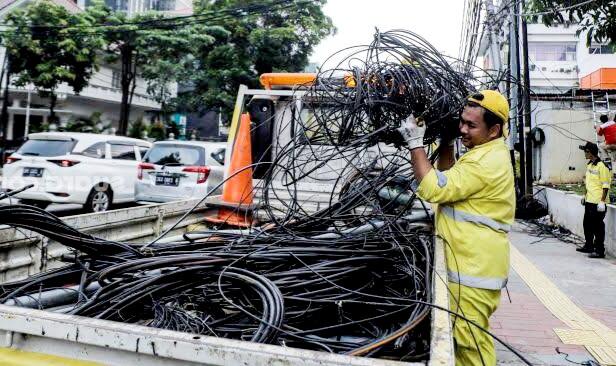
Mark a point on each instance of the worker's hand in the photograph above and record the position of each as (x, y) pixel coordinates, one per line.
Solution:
(412, 132)
(601, 207)
(583, 201)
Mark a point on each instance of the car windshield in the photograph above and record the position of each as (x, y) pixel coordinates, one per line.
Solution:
(175, 154)
(46, 147)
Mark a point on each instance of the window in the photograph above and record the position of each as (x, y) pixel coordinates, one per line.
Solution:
(596, 49)
(219, 156)
(123, 152)
(116, 79)
(46, 147)
(175, 154)
(552, 51)
(142, 151)
(95, 151)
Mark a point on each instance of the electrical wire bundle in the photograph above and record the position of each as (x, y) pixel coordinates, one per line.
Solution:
(46, 224)
(360, 295)
(398, 74)
(543, 230)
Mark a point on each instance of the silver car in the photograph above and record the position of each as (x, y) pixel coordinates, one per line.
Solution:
(175, 170)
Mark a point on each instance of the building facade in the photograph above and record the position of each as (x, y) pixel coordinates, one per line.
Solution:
(558, 58)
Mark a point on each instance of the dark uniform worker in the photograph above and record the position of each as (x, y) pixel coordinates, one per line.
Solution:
(597, 183)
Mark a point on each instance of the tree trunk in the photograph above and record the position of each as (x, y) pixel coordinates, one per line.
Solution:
(4, 116)
(128, 76)
(53, 99)
(134, 82)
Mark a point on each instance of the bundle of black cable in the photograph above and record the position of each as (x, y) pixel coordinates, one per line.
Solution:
(47, 224)
(399, 74)
(361, 295)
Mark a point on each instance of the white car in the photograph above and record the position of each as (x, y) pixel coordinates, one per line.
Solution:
(68, 167)
(174, 170)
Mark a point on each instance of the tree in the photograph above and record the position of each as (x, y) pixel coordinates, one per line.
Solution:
(47, 46)
(148, 46)
(168, 56)
(278, 38)
(595, 17)
(120, 37)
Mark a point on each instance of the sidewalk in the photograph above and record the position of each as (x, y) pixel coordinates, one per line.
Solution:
(553, 287)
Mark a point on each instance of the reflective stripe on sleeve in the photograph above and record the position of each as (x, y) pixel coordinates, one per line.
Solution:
(462, 216)
(488, 283)
(441, 178)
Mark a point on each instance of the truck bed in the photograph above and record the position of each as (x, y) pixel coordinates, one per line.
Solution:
(27, 334)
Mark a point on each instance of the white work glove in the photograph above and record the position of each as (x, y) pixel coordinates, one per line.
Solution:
(412, 132)
(583, 201)
(601, 206)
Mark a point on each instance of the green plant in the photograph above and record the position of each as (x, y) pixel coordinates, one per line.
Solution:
(137, 128)
(157, 131)
(92, 124)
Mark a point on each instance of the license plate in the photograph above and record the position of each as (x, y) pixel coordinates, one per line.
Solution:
(167, 180)
(33, 172)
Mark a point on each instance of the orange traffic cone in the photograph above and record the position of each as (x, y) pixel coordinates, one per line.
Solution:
(237, 192)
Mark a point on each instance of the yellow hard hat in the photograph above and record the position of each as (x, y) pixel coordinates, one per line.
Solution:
(496, 103)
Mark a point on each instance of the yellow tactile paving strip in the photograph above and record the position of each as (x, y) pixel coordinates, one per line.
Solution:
(580, 337)
(584, 330)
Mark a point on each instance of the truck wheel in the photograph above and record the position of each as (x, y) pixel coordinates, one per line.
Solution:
(99, 199)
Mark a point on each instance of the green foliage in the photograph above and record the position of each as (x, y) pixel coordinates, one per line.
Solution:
(157, 131)
(597, 18)
(93, 124)
(167, 56)
(214, 57)
(137, 129)
(276, 41)
(59, 53)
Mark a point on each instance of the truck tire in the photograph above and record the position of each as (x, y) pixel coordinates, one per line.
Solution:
(99, 199)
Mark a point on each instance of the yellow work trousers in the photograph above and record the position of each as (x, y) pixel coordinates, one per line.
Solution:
(473, 347)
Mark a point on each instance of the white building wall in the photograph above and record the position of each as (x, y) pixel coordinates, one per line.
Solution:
(559, 160)
(553, 76)
(587, 63)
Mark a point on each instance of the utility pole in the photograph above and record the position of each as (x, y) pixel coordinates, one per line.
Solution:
(510, 96)
(4, 116)
(493, 37)
(515, 58)
(528, 188)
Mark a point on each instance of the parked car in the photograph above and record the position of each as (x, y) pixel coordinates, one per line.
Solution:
(173, 170)
(68, 167)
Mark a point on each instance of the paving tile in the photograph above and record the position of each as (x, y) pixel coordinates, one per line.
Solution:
(527, 324)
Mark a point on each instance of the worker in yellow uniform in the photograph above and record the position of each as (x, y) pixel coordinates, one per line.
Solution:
(597, 183)
(476, 206)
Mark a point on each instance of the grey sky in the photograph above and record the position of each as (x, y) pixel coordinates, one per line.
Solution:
(438, 21)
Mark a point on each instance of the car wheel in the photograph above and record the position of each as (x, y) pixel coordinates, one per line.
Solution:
(40, 204)
(99, 199)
